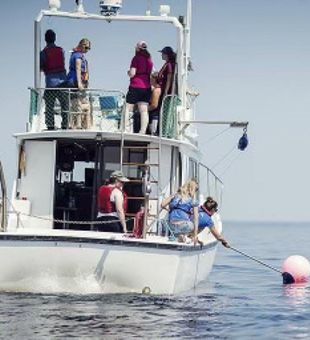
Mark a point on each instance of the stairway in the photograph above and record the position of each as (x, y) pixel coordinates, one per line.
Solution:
(137, 160)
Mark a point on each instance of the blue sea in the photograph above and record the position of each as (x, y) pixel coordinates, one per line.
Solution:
(241, 300)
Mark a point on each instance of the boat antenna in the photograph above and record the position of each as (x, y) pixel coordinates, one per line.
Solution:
(188, 33)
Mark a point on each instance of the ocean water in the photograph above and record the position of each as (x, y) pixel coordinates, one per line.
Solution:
(240, 300)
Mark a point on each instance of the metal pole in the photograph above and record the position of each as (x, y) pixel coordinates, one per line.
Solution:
(37, 49)
(4, 200)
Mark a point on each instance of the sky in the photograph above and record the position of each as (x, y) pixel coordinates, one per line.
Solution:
(251, 63)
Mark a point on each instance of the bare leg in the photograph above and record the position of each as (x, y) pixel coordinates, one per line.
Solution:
(154, 126)
(144, 117)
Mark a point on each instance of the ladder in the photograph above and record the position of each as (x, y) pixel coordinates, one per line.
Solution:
(141, 158)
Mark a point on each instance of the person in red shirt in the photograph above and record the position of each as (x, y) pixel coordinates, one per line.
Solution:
(166, 81)
(139, 91)
(166, 73)
(112, 204)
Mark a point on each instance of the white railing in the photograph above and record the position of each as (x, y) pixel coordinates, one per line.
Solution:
(66, 108)
(90, 109)
(210, 184)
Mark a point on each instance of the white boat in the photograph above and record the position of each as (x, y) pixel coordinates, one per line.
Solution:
(51, 228)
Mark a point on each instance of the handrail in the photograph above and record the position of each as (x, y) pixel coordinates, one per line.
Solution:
(96, 109)
(217, 192)
(3, 205)
(211, 171)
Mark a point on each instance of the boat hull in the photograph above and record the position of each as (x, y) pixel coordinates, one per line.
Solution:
(62, 264)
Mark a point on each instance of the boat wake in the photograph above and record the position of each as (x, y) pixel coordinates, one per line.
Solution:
(49, 283)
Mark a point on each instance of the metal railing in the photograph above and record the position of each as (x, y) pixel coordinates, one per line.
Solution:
(210, 184)
(3, 202)
(67, 108)
(90, 109)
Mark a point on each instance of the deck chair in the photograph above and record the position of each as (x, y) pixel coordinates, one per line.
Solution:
(110, 107)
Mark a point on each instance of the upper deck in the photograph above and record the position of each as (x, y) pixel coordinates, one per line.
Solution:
(95, 110)
(102, 110)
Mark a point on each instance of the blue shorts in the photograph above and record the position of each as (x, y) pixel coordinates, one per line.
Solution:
(181, 228)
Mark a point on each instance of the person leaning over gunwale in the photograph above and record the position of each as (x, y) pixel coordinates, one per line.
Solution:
(205, 212)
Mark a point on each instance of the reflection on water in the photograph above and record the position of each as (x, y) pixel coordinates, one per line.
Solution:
(297, 293)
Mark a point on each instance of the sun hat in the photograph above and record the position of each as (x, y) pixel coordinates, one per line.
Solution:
(142, 45)
(119, 175)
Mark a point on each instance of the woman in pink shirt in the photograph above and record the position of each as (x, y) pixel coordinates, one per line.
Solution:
(139, 91)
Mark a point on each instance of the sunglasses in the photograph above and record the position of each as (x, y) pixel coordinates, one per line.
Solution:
(87, 48)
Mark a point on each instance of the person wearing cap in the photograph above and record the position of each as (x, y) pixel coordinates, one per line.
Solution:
(112, 204)
(166, 73)
(139, 91)
(52, 63)
(205, 213)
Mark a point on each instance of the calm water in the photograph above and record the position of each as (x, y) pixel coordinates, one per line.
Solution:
(241, 299)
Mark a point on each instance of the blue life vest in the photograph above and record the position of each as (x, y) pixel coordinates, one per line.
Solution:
(181, 210)
(72, 78)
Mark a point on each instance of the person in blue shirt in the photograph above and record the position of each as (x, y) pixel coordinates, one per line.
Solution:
(183, 211)
(52, 63)
(205, 213)
(78, 75)
(78, 79)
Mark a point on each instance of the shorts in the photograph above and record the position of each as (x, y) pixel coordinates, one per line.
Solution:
(182, 228)
(137, 95)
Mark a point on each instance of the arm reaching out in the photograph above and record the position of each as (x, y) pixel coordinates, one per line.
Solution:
(219, 237)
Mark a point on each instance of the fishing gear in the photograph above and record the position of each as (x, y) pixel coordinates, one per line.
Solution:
(243, 141)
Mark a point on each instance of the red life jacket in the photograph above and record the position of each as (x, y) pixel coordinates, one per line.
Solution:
(104, 204)
(54, 60)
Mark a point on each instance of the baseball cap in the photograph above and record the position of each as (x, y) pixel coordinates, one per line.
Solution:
(142, 45)
(167, 50)
(119, 175)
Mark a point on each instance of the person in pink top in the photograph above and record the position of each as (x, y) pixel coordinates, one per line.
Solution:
(139, 91)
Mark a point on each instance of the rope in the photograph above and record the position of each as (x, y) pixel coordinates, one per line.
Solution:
(230, 164)
(55, 220)
(72, 222)
(255, 259)
(225, 156)
(217, 135)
